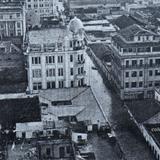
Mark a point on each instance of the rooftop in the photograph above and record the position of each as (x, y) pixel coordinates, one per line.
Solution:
(48, 36)
(83, 103)
(134, 30)
(154, 131)
(120, 22)
(143, 110)
(102, 51)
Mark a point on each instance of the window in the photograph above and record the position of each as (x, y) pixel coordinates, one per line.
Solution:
(48, 151)
(139, 38)
(127, 63)
(157, 72)
(134, 62)
(127, 74)
(72, 83)
(50, 72)
(59, 45)
(71, 71)
(36, 60)
(150, 73)
(140, 84)
(37, 86)
(134, 73)
(18, 25)
(68, 149)
(71, 58)
(126, 85)
(157, 83)
(29, 6)
(134, 84)
(141, 62)
(60, 72)
(36, 73)
(50, 59)
(51, 85)
(157, 61)
(151, 62)
(150, 84)
(140, 73)
(18, 14)
(61, 84)
(60, 59)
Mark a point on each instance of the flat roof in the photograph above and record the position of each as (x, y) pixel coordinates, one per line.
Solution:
(47, 36)
(143, 110)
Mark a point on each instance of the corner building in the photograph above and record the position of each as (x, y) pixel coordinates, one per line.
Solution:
(56, 57)
(135, 62)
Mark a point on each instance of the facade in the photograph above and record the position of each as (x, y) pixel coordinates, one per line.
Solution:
(135, 62)
(56, 57)
(45, 8)
(12, 19)
(55, 149)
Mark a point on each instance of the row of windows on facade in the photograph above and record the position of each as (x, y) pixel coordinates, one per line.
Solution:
(141, 62)
(140, 84)
(52, 84)
(9, 16)
(51, 59)
(139, 50)
(10, 26)
(37, 73)
(135, 73)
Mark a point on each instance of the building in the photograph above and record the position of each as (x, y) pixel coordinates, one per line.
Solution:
(99, 31)
(12, 69)
(55, 149)
(73, 105)
(45, 8)
(12, 19)
(135, 62)
(146, 115)
(56, 57)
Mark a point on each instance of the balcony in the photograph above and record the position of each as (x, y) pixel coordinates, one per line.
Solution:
(79, 62)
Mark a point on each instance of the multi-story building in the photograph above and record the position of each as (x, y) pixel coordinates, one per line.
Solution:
(45, 7)
(135, 62)
(12, 19)
(56, 57)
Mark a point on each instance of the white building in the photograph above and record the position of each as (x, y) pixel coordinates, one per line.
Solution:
(45, 7)
(12, 19)
(56, 57)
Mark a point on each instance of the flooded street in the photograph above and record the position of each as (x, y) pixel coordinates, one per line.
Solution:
(131, 142)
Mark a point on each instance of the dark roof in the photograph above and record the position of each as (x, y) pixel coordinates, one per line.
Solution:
(124, 44)
(129, 32)
(124, 21)
(14, 111)
(154, 131)
(143, 110)
(102, 51)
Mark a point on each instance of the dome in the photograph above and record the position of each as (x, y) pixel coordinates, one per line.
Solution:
(75, 25)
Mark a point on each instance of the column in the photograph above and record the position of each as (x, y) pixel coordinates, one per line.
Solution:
(66, 69)
(30, 79)
(43, 67)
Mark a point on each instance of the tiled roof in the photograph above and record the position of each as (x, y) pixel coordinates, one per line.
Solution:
(142, 110)
(129, 32)
(102, 51)
(124, 21)
(84, 104)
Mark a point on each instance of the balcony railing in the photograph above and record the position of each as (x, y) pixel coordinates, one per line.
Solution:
(81, 61)
(81, 75)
